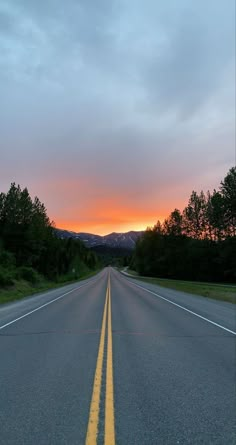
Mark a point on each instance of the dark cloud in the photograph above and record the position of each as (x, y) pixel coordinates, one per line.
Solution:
(192, 63)
(136, 96)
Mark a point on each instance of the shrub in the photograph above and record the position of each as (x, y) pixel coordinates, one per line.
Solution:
(7, 259)
(29, 274)
(6, 277)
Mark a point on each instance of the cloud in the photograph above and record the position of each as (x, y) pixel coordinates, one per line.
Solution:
(193, 61)
(128, 100)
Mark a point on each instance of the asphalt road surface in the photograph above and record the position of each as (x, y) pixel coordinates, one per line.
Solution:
(113, 360)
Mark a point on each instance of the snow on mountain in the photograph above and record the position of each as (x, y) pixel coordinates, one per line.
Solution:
(126, 240)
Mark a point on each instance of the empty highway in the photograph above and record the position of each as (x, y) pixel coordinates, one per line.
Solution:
(113, 360)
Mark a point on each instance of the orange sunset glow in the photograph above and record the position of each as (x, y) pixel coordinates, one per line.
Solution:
(104, 229)
(103, 216)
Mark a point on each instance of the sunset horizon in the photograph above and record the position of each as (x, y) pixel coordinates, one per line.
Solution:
(100, 218)
(113, 114)
(96, 230)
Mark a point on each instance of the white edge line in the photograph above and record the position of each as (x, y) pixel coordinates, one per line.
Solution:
(43, 305)
(184, 308)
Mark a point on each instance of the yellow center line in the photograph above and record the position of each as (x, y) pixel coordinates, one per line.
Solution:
(109, 438)
(92, 429)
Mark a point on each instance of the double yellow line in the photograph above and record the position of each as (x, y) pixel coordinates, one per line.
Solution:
(92, 429)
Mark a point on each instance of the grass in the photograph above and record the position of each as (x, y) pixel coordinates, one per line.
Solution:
(221, 292)
(22, 288)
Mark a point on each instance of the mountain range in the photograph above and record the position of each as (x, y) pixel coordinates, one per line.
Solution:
(120, 240)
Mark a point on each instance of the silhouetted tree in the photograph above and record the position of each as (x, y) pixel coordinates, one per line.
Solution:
(228, 190)
(199, 244)
(28, 240)
(173, 225)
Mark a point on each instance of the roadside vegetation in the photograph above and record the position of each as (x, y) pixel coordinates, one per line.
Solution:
(198, 244)
(23, 288)
(223, 292)
(32, 257)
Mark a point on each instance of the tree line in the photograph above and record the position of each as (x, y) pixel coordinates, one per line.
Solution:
(29, 246)
(198, 243)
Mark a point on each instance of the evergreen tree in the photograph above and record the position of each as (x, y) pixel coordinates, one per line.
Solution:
(199, 244)
(228, 190)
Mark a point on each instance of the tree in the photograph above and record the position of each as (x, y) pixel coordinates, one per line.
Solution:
(228, 190)
(194, 216)
(11, 219)
(198, 244)
(27, 236)
(173, 225)
(215, 216)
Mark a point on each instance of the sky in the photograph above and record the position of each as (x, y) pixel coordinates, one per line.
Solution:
(113, 111)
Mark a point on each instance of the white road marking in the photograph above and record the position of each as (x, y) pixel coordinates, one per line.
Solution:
(184, 308)
(43, 305)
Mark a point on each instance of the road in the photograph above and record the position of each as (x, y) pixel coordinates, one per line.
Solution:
(113, 360)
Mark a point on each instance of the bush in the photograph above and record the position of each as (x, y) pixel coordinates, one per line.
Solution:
(29, 274)
(7, 259)
(6, 277)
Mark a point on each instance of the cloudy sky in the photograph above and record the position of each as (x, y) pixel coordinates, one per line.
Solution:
(113, 111)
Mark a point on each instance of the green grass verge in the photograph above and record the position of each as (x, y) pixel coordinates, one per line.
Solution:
(221, 292)
(23, 288)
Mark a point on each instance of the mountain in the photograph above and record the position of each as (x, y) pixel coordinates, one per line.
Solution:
(120, 240)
